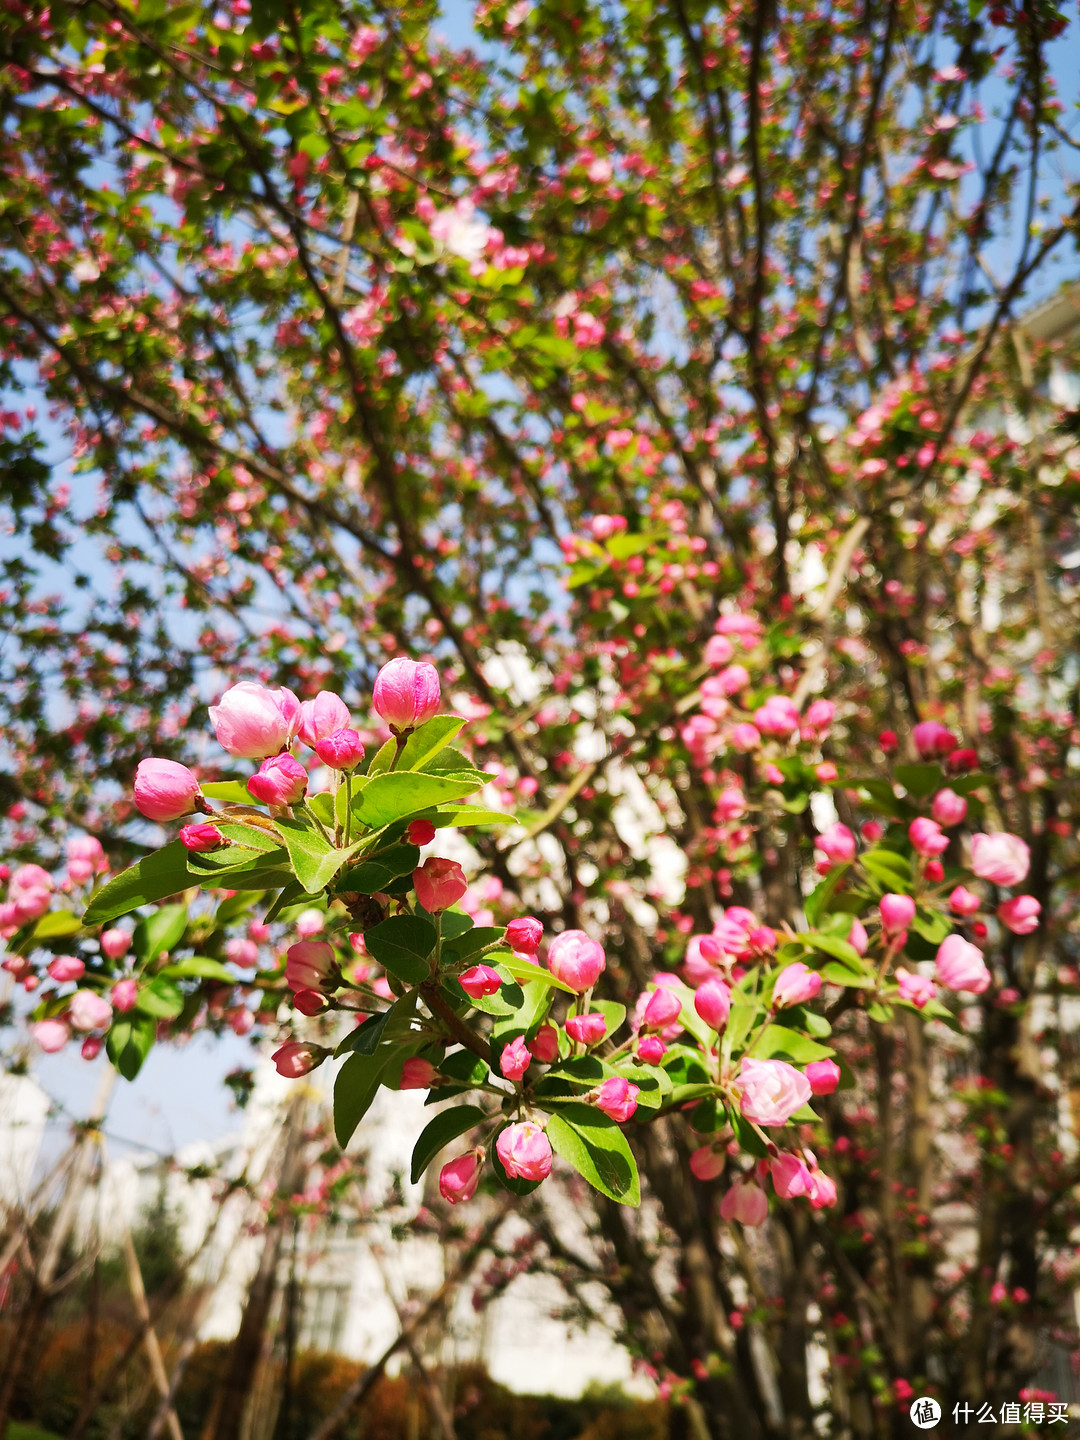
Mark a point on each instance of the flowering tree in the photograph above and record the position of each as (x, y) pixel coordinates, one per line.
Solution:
(656, 375)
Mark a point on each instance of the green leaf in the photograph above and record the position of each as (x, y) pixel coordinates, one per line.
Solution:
(200, 966)
(596, 1148)
(162, 998)
(888, 867)
(882, 1014)
(355, 1088)
(438, 1133)
(364, 1039)
(129, 1042)
(159, 932)
(832, 945)
(526, 973)
(55, 924)
(779, 1040)
(932, 925)
(387, 798)
(374, 874)
(292, 892)
(464, 1067)
(425, 743)
(469, 815)
(748, 1138)
(837, 974)
(472, 941)
(920, 780)
(383, 758)
(315, 861)
(403, 944)
(614, 1014)
(740, 1022)
(154, 877)
(817, 903)
(250, 836)
(231, 792)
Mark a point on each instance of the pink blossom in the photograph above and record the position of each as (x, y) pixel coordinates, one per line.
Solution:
(650, 1049)
(744, 737)
(795, 985)
(745, 1202)
(201, 837)
(730, 804)
(824, 1076)
(115, 943)
(85, 858)
(51, 1035)
(309, 965)
(702, 954)
(479, 980)
(310, 1002)
(819, 716)
(707, 1163)
(617, 1098)
(320, 717)
(515, 1058)
(837, 842)
(663, 1008)
(124, 995)
(576, 959)
(999, 857)
(280, 780)
(857, 937)
(341, 749)
(458, 1178)
(963, 902)
(897, 913)
(242, 950)
(772, 1090)
(66, 968)
(544, 1046)
(439, 884)
(309, 923)
(1020, 915)
(417, 1073)
(252, 722)
(298, 1057)
(712, 1001)
(790, 1176)
(932, 739)
(165, 790)
(89, 1010)
(914, 988)
(926, 837)
(778, 716)
(732, 679)
(948, 808)
(822, 1189)
(587, 1029)
(407, 693)
(420, 832)
(524, 935)
(525, 1151)
(960, 965)
(718, 650)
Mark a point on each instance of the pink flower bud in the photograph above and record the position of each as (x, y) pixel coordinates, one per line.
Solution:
(576, 960)
(824, 1076)
(745, 1202)
(822, 1190)
(790, 1176)
(838, 843)
(772, 1090)
(51, 1035)
(617, 1098)
(417, 1074)
(91, 1047)
(897, 913)
(242, 951)
(872, 831)
(1000, 858)
(479, 980)
(795, 985)
(439, 884)
(762, 940)
(201, 837)
(707, 1163)
(524, 935)
(341, 749)
(858, 938)
(934, 871)
(320, 717)
(744, 737)
(310, 1002)
(932, 739)
(544, 1046)
(1020, 915)
(525, 1151)
(252, 722)
(730, 804)
(115, 943)
(89, 1010)
(963, 902)
(85, 858)
(915, 988)
(650, 1049)
(311, 965)
(960, 965)
(778, 716)
(298, 1057)
(587, 1029)
(733, 679)
(165, 790)
(420, 832)
(712, 1001)
(662, 1009)
(241, 1021)
(66, 968)
(458, 1178)
(281, 780)
(718, 650)
(309, 923)
(925, 835)
(515, 1059)
(124, 995)
(948, 808)
(406, 693)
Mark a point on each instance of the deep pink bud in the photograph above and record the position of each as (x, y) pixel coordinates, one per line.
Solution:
(948, 808)
(65, 968)
(458, 1178)
(525, 1151)
(310, 1002)
(617, 1098)
(479, 980)
(763, 940)
(544, 1046)
(718, 650)
(51, 1035)
(857, 937)
(115, 943)
(321, 717)
(417, 1074)
(281, 780)
(650, 1049)
(778, 716)
(712, 1001)
(663, 1008)
(960, 762)
(790, 1176)
(587, 1029)
(897, 913)
(252, 722)
(124, 995)
(960, 965)
(707, 1163)
(341, 750)
(310, 965)
(201, 837)
(824, 1076)
(576, 959)
(165, 790)
(91, 1047)
(89, 1010)
(439, 884)
(934, 871)
(925, 835)
(1020, 915)
(932, 739)
(822, 1190)
(406, 693)
(837, 842)
(298, 1057)
(515, 1059)
(915, 988)
(420, 832)
(745, 1202)
(795, 985)
(964, 902)
(524, 935)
